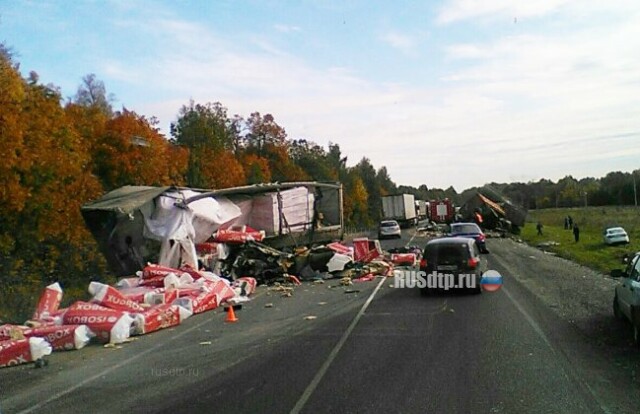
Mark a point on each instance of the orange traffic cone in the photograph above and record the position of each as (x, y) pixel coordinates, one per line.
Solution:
(231, 315)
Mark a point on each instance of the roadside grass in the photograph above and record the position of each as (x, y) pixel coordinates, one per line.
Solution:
(19, 305)
(590, 251)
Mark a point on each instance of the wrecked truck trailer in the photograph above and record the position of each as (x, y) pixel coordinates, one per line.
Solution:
(134, 225)
(501, 214)
(290, 214)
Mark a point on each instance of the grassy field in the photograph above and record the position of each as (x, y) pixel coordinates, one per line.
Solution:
(590, 250)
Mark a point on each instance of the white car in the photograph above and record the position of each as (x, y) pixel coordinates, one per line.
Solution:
(615, 235)
(626, 302)
(389, 228)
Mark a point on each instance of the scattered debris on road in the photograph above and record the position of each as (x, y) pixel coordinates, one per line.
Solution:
(214, 250)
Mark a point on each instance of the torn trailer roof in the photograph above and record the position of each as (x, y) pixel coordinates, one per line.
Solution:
(134, 225)
(493, 211)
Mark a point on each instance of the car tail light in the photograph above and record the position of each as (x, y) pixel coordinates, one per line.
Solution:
(423, 263)
(473, 262)
(481, 237)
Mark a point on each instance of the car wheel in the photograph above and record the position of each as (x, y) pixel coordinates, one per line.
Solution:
(616, 308)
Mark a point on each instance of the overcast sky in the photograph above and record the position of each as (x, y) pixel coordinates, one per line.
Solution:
(453, 92)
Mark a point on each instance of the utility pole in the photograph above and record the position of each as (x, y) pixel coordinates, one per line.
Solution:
(635, 193)
(585, 199)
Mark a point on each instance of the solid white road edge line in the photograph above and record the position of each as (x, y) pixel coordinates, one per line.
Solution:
(569, 375)
(541, 334)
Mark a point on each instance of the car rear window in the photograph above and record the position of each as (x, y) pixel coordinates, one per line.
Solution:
(447, 254)
(465, 228)
(388, 224)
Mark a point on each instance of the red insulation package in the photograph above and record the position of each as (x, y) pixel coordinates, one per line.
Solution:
(49, 301)
(22, 351)
(109, 325)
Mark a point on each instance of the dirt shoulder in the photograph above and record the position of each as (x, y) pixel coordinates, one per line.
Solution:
(598, 347)
(579, 295)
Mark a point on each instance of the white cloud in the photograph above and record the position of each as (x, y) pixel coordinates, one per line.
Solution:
(403, 42)
(532, 105)
(283, 28)
(480, 10)
(455, 10)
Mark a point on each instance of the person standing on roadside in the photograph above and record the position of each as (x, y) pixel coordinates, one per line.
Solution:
(539, 228)
(576, 232)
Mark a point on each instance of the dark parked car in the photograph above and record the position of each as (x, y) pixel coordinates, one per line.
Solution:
(457, 256)
(470, 230)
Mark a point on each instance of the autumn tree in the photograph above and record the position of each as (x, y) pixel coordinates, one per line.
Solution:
(367, 173)
(357, 201)
(207, 132)
(133, 152)
(263, 131)
(90, 123)
(236, 126)
(256, 169)
(92, 94)
(313, 160)
(44, 180)
(266, 139)
(283, 168)
(384, 182)
(12, 144)
(223, 171)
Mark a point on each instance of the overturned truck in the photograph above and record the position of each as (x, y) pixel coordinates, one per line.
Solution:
(134, 225)
(500, 214)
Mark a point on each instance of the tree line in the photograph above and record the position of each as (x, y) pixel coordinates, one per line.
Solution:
(58, 154)
(614, 189)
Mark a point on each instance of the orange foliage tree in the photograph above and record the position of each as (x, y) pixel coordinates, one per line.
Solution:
(268, 140)
(282, 166)
(44, 179)
(357, 202)
(133, 152)
(256, 169)
(222, 170)
(56, 158)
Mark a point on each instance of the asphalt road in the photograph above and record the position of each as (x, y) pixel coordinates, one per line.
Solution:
(370, 348)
